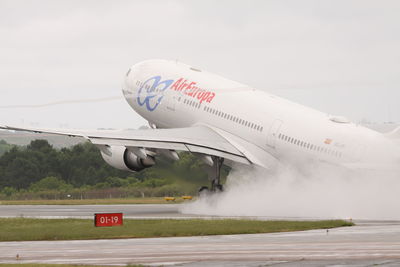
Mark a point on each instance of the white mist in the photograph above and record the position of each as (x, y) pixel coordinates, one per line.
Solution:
(320, 192)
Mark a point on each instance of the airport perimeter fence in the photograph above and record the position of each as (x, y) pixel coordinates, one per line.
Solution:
(168, 190)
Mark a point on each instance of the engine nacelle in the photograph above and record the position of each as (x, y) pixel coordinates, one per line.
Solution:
(122, 158)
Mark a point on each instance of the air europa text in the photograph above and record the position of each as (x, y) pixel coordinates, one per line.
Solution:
(190, 89)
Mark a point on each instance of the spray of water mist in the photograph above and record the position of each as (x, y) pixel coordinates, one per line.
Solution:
(314, 192)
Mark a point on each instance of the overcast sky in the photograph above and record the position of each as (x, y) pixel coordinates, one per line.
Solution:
(340, 57)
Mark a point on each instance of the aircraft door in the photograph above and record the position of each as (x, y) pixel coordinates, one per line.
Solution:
(273, 133)
(171, 101)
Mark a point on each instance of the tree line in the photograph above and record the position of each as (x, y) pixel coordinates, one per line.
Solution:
(39, 166)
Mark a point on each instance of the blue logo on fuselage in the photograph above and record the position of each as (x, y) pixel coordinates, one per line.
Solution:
(151, 92)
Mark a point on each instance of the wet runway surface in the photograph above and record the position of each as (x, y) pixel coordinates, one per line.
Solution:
(87, 211)
(137, 211)
(368, 243)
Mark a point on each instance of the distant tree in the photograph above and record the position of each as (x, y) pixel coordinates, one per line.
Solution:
(4, 147)
(40, 145)
(8, 191)
(79, 165)
(50, 183)
(82, 165)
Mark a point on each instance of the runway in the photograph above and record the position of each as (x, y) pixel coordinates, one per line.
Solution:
(368, 243)
(87, 211)
(132, 211)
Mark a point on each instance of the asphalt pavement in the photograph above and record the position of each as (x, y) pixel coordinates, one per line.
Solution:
(369, 243)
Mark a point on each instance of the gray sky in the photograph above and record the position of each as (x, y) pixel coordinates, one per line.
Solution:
(340, 57)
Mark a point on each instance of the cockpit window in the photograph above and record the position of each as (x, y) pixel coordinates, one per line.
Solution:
(129, 71)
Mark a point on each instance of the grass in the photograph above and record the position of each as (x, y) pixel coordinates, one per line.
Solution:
(109, 201)
(19, 229)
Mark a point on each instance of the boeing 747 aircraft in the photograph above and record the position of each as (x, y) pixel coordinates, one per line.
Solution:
(223, 121)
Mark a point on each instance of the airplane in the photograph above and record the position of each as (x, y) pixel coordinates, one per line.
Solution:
(226, 122)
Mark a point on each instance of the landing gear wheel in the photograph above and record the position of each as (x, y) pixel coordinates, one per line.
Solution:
(203, 188)
(219, 188)
(204, 191)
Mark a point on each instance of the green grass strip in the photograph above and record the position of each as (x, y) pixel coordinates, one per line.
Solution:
(19, 229)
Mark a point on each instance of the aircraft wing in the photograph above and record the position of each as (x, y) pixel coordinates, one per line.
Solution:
(197, 139)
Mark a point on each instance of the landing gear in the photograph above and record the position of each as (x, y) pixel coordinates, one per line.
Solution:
(203, 191)
(214, 175)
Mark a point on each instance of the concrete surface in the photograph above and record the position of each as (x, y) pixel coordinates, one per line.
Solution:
(368, 243)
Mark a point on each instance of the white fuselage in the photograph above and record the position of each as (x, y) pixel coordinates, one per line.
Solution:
(173, 95)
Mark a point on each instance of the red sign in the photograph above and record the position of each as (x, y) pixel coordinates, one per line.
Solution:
(108, 219)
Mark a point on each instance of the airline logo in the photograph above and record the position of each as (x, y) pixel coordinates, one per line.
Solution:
(151, 92)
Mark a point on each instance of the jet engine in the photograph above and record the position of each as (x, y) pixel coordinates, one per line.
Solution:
(125, 159)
